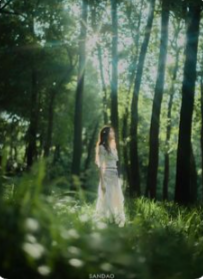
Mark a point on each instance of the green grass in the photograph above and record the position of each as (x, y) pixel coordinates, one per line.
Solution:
(56, 237)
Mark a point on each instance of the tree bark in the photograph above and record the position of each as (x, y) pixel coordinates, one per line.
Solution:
(32, 131)
(57, 154)
(50, 123)
(201, 137)
(125, 147)
(168, 129)
(77, 144)
(31, 151)
(90, 150)
(156, 109)
(95, 21)
(135, 175)
(193, 178)
(127, 105)
(183, 171)
(53, 93)
(114, 81)
(104, 89)
(136, 41)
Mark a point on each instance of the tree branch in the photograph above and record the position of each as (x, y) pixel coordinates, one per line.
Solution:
(5, 5)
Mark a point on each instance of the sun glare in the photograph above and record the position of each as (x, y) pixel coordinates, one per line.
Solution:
(92, 41)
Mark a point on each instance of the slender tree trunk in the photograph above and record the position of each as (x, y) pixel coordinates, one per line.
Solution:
(90, 150)
(52, 97)
(136, 39)
(77, 144)
(156, 109)
(183, 172)
(95, 21)
(31, 149)
(193, 178)
(135, 178)
(57, 154)
(126, 113)
(15, 153)
(50, 123)
(201, 137)
(114, 81)
(166, 156)
(168, 130)
(125, 147)
(91, 146)
(104, 89)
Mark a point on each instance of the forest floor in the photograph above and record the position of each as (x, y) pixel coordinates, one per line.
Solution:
(56, 237)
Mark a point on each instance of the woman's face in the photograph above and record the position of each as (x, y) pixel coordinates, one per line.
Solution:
(111, 134)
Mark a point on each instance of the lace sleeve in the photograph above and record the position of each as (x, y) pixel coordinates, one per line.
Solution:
(102, 158)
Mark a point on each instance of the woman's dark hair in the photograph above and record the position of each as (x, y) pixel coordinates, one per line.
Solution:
(103, 140)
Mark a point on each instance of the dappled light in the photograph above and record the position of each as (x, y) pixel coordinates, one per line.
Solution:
(101, 139)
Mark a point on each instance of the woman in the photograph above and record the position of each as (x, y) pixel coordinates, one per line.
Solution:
(110, 201)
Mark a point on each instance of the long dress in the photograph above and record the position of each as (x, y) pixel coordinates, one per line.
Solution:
(110, 204)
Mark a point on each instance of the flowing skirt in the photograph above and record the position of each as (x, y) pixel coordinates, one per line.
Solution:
(110, 204)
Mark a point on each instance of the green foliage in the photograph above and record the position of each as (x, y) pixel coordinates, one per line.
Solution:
(58, 236)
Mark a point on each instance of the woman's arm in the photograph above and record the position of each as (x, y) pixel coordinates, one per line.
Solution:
(102, 166)
(101, 171)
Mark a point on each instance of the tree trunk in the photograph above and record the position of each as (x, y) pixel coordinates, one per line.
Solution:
(193, 178)
(57, 154)
(125, 146)
(104, 89)
(156, 109)
(77, 144)
(135, 177)
(136, 39)
(50, 123)
(52, 97)
(183, 171)
(168, 130)
(95, 22)
(127, 105)
(90, 150)
(32, 131)
(201, 137)
(91, 146)
(114, 81)
(166, 156)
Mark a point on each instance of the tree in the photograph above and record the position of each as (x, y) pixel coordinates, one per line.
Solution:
(201, 104)
(184, 152)
(135, 176)
(114, 81)
(77, 144)
(31, 151)
(131, 75)
(155, 118)
(32, 131)
(95, 19)
(170, 104)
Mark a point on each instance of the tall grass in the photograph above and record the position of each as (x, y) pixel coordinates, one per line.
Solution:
(56, 236)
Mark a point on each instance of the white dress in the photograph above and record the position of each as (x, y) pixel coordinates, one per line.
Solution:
(111, 203)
